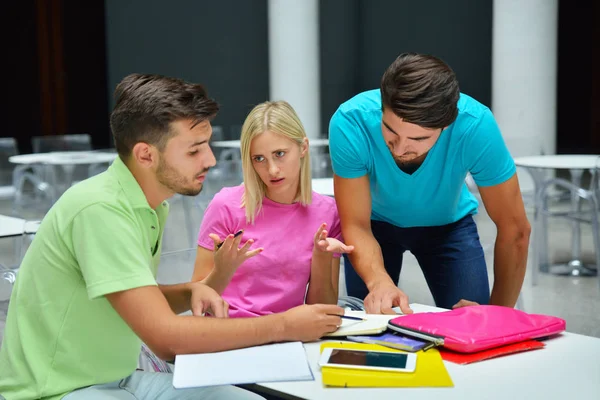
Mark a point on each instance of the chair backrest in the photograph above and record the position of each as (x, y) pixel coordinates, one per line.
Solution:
(217, 133)
(320, 163)
(8, 147)
(595, 183)
(46, 144)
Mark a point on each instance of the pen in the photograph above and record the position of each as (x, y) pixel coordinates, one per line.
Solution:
(349, 317)
(428, 346)
(238, 233)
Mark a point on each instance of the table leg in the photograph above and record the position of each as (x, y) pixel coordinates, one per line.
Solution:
(68, 169)
(540, 227)
(575, 267)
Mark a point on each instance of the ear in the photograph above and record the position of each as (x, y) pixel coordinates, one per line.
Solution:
(303, 147)
(144, 154)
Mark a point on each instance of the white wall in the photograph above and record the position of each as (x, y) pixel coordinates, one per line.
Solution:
(294, 59)
(524, 75)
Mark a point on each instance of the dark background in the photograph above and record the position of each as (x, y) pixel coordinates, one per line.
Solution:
(63, 58)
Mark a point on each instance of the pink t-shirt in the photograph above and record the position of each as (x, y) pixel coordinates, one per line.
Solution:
(276, 279)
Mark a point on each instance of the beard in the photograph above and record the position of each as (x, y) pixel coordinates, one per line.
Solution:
(174, 181)
(410, 165)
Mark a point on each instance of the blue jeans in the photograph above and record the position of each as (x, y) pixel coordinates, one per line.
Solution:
(156, 386)
(450, 256)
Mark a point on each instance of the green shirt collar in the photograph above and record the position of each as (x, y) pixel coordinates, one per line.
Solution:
(131, 187)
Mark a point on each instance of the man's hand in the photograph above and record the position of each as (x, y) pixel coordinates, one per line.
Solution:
(464, 303)
(230, 256)
(323, 243)
(205, 300)
(385, 295)
(308, 323)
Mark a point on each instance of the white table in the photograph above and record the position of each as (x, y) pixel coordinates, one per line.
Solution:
(64, 158)
(567, 368)
(235, 144)
(323, 186)
(67, 160)
(10, 226)
(577, 164)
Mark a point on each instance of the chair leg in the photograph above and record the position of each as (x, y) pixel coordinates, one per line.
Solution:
(520, 303)
(537, 239)
(596, 234)
(544, 259)
(191, 228)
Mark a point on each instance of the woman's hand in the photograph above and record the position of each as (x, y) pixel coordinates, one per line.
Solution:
(228, 253)
(324, 244)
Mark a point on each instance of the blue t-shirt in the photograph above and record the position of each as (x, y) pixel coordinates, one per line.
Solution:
(436, 193)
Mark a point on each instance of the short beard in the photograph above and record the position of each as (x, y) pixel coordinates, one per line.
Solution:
(410, 165)
(172, 180)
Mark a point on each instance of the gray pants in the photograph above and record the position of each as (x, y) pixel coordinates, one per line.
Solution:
(156, 386)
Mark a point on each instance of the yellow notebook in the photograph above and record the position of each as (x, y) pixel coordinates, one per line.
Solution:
(430, 371)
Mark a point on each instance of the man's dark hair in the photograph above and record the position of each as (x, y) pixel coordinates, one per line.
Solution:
(145, 106)
(421, 89)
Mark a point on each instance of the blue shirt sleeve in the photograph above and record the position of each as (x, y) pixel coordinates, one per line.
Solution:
(347, 146)
(485, 154)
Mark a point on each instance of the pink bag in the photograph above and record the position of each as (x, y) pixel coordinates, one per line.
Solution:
(475, 328)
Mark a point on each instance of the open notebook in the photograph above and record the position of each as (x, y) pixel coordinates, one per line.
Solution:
(374, 324)
(268, 363)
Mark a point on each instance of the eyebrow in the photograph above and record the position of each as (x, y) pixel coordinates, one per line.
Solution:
(412, 138)
(274, 151)
(198, 143)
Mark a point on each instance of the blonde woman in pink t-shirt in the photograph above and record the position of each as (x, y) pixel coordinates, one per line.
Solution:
(293, 232)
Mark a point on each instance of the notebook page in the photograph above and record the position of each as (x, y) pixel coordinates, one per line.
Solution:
(268, 363)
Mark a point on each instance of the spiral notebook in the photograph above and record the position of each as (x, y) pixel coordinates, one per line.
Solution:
(374, 324)
(268, 363)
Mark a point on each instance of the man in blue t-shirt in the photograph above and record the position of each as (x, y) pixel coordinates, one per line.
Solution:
(400, 156)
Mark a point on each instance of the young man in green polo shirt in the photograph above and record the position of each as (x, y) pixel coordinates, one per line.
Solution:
(86, 295)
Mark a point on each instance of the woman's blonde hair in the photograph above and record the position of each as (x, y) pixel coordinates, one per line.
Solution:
(277, 117)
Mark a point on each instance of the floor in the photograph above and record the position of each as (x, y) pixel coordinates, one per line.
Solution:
(576, 299)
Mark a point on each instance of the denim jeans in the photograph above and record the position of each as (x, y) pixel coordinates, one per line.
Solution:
(156, 386)
(450, 256)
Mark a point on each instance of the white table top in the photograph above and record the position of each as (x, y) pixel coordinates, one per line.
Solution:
(64, 158)
(10, 226)
(567, 366)
(323, 186)
(560, 161)
(235, 144)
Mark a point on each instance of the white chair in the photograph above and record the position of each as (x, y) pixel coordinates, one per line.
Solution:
(8, 148)
(7, 279)
(14, 179)
(46, 144)
(590, 195)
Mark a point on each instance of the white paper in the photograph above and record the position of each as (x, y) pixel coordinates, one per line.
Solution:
(268, 363)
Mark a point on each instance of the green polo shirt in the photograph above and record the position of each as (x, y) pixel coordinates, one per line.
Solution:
(61, 332)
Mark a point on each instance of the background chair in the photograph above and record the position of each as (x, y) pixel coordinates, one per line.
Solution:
(76, 142)
(591, 196)
(217, 133)
(46, 144)
(8, 148)
(19, 180)
(227, 171)
(320, 163)
(7, 279)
